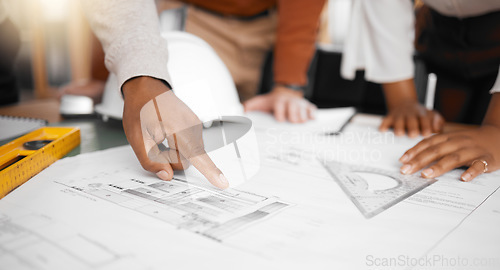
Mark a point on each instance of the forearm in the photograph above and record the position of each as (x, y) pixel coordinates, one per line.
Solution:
(295, 40)
(399, 92)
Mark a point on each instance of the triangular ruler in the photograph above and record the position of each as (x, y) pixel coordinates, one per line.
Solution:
(370, 189)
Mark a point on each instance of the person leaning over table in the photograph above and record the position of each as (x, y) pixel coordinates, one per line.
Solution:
(136, 53)
(242, 32)
(458, 40)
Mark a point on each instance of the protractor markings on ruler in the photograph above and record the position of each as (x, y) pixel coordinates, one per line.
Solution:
(374, 190)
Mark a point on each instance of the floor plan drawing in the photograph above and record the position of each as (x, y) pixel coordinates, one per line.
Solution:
(209, 212)
(35, 241)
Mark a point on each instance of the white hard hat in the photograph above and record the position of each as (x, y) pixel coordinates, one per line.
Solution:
(198, 77)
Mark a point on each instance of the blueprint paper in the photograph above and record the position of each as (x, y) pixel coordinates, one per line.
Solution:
(63, 218)
(325, 121)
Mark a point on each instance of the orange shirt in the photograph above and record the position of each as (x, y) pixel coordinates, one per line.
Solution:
(295, 36)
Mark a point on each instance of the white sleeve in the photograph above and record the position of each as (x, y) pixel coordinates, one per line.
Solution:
(496, 86)
(130, 34)
(380, 41)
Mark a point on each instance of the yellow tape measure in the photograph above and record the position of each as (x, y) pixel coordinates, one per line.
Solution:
(26, 156)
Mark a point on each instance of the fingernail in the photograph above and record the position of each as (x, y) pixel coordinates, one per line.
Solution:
(405, 169)
(404, 158)
(223, 181)
(428, 172)
(162, 175)
(466, 177)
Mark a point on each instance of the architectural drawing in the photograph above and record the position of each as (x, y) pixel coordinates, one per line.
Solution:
(209, 212)
(36, 241)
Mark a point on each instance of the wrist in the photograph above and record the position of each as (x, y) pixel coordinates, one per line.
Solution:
(288, 89)
(137, 86)
(292, 86)
(400, 92)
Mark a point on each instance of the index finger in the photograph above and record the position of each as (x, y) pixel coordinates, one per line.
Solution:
(421, 146)
(386, 123)
(208, 168)
(280, 111)
(189, 143)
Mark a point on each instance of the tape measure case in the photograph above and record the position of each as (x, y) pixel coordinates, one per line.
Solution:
(26, 156)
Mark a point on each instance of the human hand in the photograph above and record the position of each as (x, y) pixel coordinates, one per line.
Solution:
(405, 113)
(89, 88)
(284, 103)
(152, 114)
(414, 118)
(456, 149)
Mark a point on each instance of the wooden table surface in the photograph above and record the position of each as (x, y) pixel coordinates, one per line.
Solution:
(95, 133)
(47, 109)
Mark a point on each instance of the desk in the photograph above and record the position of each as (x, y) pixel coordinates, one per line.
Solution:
(99, 135)
(95, 134)
(323, 230)
(47, 109)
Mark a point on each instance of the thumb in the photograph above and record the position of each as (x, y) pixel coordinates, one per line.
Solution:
(143, 145)
(154, 160)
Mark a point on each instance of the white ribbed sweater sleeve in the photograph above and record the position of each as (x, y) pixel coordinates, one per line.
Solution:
(130, 34)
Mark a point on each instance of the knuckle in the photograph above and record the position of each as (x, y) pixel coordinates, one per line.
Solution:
(438, 167)
(439, 138)
(417, 160)
(461, 138)
(181, 165)
(489, 158)
(409, 152)
(435, 150)
(157, 135)
(454, 157)
(423, 143)
(147, 165)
